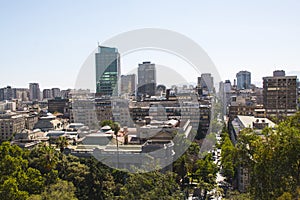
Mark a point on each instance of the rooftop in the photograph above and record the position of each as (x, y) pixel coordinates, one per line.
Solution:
(249, 121)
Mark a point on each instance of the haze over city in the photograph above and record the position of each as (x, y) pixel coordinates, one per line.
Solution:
(47, 42)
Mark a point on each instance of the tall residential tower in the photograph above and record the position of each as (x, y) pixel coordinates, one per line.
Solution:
(34, 91)
(146, 79)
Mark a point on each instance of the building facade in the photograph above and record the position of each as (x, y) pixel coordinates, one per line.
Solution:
(128, 83)
(59, 105)
(107, 71)
(47, 94)
(10, 124)
(146, 79)
(206, 83)
(6, 93)
(84, 111)
(280, 95)
(55, 92)
(34, 91)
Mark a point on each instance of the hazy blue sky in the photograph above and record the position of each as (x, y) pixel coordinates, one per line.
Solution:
(48, 41)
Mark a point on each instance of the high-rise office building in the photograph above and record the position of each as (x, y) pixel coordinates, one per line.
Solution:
(206, 82)
(107, 71)
(243, 80)
(280, 94)
(146, 79)
(34, 91)
(128, 83)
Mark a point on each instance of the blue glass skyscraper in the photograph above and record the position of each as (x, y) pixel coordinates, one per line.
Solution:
(243, 80)
(107, 71)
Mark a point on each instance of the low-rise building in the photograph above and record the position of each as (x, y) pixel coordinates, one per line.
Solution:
(235, 126)
(59, 105)
(10, 124)
(47, 123)
(84, 111)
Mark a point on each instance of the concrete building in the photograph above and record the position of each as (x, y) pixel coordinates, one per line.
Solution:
(115, 109)
(128, 83)
(48, 122)
(280, 94)
(30, 120)
(84, 111)
(7, 106)
(243, 80)
(237, 125)
(9, 93)
(120, 112)
(247, 110)
(155, 146)
(206, 83)
(6, 93)
(10, 124)
(65, 94)
(21, 94)
(103, 108)
(34, 92)
(107, 71)
(243, 103)
(161, 90)
(47, 94)
(55, 92)
(146, 79)
(26, 134)
(59, 105)
(226, 95)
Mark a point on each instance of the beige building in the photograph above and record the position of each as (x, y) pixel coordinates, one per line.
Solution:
(10, 124)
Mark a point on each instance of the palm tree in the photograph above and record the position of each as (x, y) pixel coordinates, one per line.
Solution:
(62, 143)
(116, 127)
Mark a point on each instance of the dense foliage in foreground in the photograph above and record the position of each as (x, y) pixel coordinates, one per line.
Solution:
(44, 173)
(272, 158)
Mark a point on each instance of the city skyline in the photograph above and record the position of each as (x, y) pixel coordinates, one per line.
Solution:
(160, 82)
(150, 99)
(51, 41)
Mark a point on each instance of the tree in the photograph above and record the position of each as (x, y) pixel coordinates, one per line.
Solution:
(33, 182)
(273, 159)
(45, 159)
(228, 158)
(70, 169)
(151, 185)
(285, 196)
(206, 172)
(99, 180)
(235, 195)
(107, 123)
(62, 143)
(60, 190)
(9, 190)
